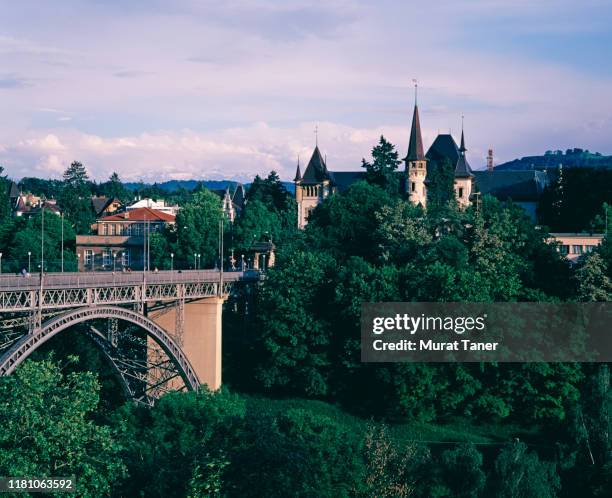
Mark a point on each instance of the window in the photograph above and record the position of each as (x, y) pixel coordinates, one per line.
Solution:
(89, 257)
(564, 249)
(576, 249)
(460, 192)
(413, 187)
(107, 257)
(589, 248)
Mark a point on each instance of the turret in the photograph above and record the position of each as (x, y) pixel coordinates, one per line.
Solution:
(416, 163)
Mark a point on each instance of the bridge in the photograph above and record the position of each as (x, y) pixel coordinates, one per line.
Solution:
(158, 330)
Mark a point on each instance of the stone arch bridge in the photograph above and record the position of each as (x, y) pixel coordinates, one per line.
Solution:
(173, 334)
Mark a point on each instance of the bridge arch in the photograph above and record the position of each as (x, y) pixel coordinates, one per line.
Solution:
(30, 342)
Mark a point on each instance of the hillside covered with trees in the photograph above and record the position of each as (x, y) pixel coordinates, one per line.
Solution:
(300, 414)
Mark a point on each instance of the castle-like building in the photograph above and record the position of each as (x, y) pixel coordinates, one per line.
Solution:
(523, 187)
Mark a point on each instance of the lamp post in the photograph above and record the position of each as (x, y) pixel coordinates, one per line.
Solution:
(0, 263)
(171, 261)
(263, 267)
(242, 262)
(29, 261)
(195, 258)
(114, 261)
(198, 265)
(62, 242)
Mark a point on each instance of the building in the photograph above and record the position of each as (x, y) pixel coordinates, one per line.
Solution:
(103, 206)
(155, 205)
(317, 183)
(574, 245)
(524, 188)
(232, 202)
(120, 240)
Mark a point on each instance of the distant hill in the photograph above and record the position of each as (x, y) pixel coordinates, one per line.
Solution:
(175, 185)
(571, 158)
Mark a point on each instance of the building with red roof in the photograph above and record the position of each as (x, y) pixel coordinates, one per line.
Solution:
(120, 240)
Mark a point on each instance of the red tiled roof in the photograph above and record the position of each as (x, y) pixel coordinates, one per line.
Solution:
(140, 214)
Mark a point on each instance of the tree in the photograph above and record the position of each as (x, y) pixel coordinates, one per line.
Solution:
(593, 281)
(27, 238)
(440, 186)
(382, 170)
(343, 224)
(297, 453)
(114, 188)
(292, 334)
(459, 473)
(46, 428)
(75, 198)
(391, 471)
(182, 445)
(256, 224)
(519, 472)
(197, 230)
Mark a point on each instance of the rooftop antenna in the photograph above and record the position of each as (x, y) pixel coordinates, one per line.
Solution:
(416, 88)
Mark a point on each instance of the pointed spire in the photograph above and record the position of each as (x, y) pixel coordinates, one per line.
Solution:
(462, 168)
(298, 174)
(415, 145)
(462, 149)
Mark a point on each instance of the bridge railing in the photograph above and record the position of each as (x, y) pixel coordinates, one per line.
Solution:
(100, 279)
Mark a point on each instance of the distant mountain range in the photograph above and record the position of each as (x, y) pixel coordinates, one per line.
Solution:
(571, 158)
(174, 185)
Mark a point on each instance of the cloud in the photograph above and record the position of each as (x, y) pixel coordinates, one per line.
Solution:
(203, 89)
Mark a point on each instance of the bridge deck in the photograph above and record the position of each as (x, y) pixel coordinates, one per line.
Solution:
(81, 280)
(69, 290)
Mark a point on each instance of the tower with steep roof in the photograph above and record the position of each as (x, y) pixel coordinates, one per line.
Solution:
(312, 187)
(416, 162)
(464, 178)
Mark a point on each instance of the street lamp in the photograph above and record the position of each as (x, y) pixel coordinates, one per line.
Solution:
(29, 262)
(242, 262)
(263, 268)
(62, 249)
(195, 258)
(171, 261)
(199, 261)
(114, 261)
(0, 262)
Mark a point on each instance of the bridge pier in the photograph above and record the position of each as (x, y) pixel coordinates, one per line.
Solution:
(200, 338)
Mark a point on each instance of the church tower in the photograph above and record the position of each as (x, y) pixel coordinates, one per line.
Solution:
(416, 163)
(312, 187)
(464, 178)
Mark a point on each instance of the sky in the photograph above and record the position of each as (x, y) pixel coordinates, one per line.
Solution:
(185, 89)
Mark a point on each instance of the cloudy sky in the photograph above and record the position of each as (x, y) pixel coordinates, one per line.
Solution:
(158, 89)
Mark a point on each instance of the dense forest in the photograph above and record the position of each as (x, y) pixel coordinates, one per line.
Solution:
(300, 414)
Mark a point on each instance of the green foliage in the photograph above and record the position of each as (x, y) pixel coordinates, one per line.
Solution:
(519, 472)
(592, 278)
(343, 224)
(440, 186)
(75, 198)
(382, 170)
(197, 230)
(46, 428)
(27, 238)
(297, 453)
(113, 188)
(392, 471)
(575, 200)
(180, 446)
(458, 473)
(293, 336)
